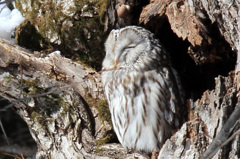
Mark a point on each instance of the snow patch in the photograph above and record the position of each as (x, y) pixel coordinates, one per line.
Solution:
(55, 52)
(9, 20)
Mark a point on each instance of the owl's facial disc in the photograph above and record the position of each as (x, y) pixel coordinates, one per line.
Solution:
(129, 47)
(123, 48)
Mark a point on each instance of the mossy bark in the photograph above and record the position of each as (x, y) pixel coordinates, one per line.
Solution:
(63, 102)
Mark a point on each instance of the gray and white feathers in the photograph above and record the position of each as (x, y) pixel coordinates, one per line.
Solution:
(143, 90)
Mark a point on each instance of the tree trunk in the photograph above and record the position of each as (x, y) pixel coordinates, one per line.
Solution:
(63, 103)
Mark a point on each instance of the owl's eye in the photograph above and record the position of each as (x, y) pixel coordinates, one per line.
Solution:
(130, 46)
(127, 48)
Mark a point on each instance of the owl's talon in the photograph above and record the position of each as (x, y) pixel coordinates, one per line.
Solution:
(155, 154)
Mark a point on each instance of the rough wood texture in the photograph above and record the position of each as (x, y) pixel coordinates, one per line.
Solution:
(206, 118)
(226, 14)
(180, 17)
(62, 123)
(193, 20)
(50, 94)
(190, 20)
(59, 99)
(183, 22)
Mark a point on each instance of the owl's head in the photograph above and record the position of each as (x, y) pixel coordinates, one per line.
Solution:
(125, 47)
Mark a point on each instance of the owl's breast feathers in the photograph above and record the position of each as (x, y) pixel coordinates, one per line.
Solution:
(139, 101)
(143, 90)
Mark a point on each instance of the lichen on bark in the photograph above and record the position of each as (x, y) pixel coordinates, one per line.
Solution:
(76, 28)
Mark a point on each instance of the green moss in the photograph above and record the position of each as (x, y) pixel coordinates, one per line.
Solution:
(38, 117)
(103, 5)
(104, 115)
(102, 107)
(81, 37)
(34, 115)
(8, 78)
(109, 137)
(61, 102)
(18, 5)
(30, 87)
(103, 111)
(27, 36)
(50, 102)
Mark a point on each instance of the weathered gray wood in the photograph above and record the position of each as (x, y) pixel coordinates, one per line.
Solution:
(53, 96)
(189, 20)
(206, 118)
(58, 98)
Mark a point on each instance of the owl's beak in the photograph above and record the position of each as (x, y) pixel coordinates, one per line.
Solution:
(115, 63)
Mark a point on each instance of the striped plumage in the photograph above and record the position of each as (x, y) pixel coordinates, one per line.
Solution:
(142, 89)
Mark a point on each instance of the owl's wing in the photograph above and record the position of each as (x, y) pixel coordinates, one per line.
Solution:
(175, 95)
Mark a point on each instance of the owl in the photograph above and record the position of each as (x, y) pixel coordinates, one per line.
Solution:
(142, 89)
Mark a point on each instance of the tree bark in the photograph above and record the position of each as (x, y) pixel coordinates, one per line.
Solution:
(190, 20)
(59, 100)
(63, 103)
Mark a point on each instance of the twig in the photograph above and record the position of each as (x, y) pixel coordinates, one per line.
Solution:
(231, 138)
(3, 6)
(53, 90)
(5, 135)
(21, 81)
(8, 4)
(222, 136)
(3, 2)
(15, 156)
